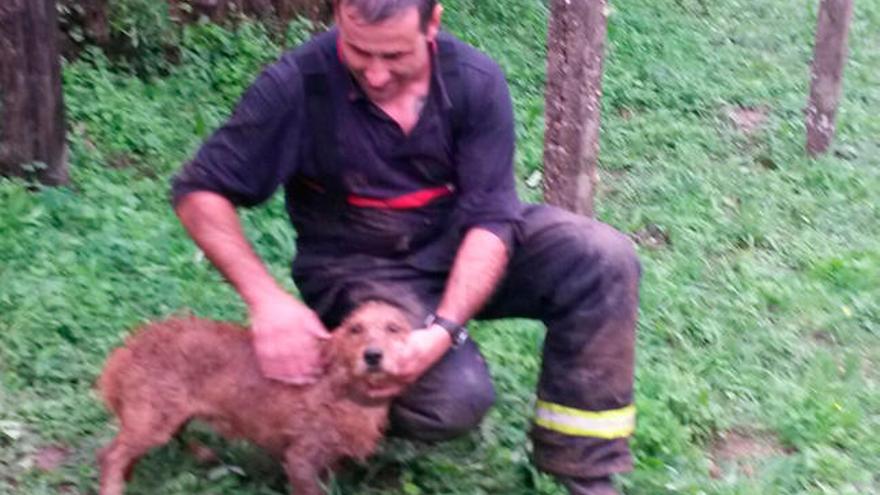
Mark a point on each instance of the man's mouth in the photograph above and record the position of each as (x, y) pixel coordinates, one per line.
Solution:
(377, 91)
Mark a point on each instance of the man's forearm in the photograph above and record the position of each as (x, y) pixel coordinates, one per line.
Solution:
(213, 223)
(478, 267)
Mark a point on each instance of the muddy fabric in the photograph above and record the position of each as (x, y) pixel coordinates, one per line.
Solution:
(577, 275)
(448, 401)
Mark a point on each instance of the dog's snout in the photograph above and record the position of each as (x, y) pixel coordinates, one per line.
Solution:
(373, 357)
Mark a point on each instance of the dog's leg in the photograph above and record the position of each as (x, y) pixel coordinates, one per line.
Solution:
(142, 428)
(112, 470)
(116, 461)
(302, 472)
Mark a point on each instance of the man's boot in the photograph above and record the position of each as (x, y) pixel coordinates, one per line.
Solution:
(589, 486)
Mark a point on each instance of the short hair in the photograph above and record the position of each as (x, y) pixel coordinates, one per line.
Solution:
(374, 11)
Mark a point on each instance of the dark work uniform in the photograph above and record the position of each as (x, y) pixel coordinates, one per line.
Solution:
(379, 214)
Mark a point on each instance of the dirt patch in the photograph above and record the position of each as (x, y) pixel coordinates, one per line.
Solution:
(748, 120)
(51, 458)
(201, 452)
(68, 489)
(651, 236)
(824, 338)
(625, 113)
(743, 451)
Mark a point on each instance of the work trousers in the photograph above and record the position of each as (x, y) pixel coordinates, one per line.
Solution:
(579, 277)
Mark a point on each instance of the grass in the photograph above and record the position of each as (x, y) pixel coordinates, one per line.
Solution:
(760, 315)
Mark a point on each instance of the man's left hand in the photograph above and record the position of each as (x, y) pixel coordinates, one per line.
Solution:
(424, 348)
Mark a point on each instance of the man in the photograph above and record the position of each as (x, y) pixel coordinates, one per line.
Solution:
(394, 143)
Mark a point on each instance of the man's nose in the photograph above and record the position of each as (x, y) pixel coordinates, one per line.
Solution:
(377, 74)
(373, 357)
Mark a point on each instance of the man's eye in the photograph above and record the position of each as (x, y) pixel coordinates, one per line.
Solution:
(394, 329)
(356, 329)
(357, 51)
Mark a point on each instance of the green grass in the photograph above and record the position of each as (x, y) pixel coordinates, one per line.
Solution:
(760, 317)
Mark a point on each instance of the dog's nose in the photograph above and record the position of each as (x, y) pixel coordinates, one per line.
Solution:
(373, 357)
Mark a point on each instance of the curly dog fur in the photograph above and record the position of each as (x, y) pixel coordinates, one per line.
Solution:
(172, 371)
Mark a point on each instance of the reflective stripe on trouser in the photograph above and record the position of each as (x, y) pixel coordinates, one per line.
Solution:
(615, 423)
(585, 276)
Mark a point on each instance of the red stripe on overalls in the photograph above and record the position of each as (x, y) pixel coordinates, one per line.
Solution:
(406, 202)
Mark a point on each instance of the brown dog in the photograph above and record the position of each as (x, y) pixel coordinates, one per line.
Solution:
(176, 370)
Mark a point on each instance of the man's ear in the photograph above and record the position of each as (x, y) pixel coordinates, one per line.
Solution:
(433, 27)
(337, 9)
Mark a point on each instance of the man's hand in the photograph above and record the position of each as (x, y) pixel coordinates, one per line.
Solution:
(424, 348)
(287, 339)
(287, 335)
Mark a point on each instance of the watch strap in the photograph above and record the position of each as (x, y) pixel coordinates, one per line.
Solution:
(457, 332)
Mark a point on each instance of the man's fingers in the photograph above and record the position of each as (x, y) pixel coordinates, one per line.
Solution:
(288, 339)
(385, 392)
(299, 380)
(280, 369)
(316, 329)
(389, 389)
(320, 333)
(294, 379)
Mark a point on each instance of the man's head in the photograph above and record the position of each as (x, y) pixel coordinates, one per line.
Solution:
(385, 42)
(375, 11)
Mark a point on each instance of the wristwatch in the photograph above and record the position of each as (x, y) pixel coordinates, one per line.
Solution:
(458, 332)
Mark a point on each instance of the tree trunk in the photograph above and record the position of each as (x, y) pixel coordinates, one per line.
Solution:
(829, 57)
(96, 23)
(32, 137)
(315, 10)
(218, 10)
(575, 52)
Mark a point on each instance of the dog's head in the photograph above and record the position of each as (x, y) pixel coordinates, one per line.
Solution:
(370, 343)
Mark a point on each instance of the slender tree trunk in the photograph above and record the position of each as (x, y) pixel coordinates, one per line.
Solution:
(829, 58)
(316, 10)
(96, 24)
(30, 81)
(575, 53)
(284, 10)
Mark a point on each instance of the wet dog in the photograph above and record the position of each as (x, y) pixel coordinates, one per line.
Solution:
(173, 371)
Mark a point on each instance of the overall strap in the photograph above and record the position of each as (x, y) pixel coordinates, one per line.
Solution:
(320, 198)
(319, 112)
(454, 83)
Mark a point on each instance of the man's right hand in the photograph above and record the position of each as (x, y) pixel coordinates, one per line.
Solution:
(287, 335)
(288, 339)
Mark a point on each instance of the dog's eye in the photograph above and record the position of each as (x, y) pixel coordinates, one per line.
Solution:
(394, 329)
(356, 329)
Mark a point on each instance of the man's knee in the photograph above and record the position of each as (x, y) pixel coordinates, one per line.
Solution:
(616, 254)
(573, 242)
(444, 414)
(595, 264)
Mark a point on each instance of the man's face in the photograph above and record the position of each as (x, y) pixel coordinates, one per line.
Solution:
(384, 57)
